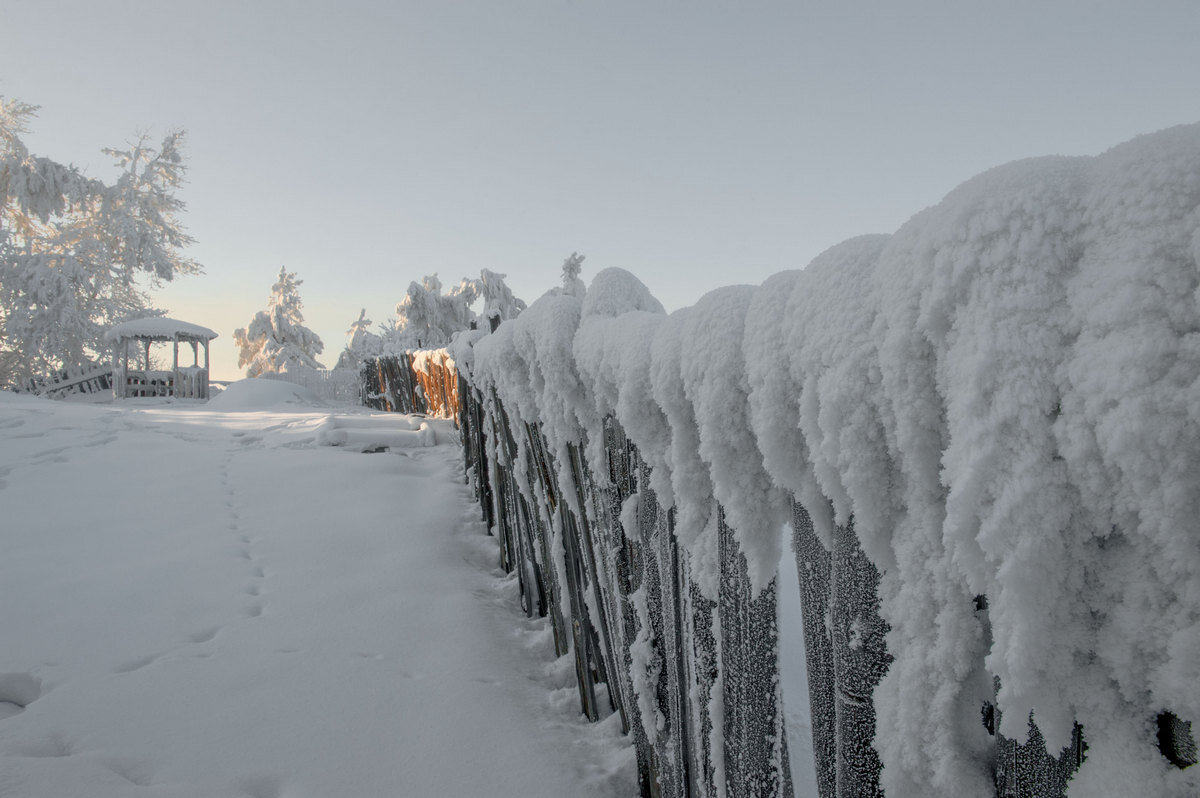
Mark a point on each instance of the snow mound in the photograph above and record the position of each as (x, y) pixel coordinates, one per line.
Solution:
(616, 291)
(260, 394)
(9, 396)
(390, 431)
(21, 689)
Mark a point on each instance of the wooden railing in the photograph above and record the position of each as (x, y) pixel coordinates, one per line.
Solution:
(86, 379)
(144, 383)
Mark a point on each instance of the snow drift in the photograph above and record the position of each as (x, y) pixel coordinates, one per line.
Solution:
(255, 393)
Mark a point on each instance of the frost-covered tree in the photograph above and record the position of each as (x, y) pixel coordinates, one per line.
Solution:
(426, 318)
(277, 340)
(78, 255)
(363, 343)
(499, 304)
(572, 285)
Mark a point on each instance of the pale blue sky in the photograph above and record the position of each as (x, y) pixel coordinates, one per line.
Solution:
(697, 144)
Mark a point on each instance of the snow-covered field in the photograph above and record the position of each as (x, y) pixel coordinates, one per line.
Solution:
(209, 600)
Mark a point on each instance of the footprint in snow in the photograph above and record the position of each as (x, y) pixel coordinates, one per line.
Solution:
(55, 745)
(137, 664)
(133, 771)
(204, 635)
(17, 691)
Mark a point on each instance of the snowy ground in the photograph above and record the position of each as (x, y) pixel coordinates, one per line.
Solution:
(202, 600)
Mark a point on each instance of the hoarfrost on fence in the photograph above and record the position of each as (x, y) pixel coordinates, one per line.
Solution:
(1002, 399)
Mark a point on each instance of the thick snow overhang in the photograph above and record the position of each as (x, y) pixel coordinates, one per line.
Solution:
(158, 329)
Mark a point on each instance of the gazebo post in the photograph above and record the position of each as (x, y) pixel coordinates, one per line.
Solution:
(204, 390)
(146, 369)
(125, 371)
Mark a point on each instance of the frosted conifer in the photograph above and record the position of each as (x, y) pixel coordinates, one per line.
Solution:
(277, 340)
(363, 343)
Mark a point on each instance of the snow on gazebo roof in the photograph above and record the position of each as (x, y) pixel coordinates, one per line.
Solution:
(158, 328)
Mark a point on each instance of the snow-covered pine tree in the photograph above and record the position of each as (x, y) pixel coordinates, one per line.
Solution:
(277, 340)
(363, 343)
(78, 255)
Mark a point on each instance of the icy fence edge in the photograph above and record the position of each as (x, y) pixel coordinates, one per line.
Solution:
(695, 681)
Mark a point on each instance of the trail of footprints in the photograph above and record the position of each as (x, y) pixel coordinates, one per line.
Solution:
(18, 690)
(254, 605)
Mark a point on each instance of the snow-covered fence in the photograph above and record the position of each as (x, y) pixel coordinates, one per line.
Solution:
(438, 380)
(985, 432)
(336, 385)
(424, 381)
(142, 383)
(387, 383)
(692, 671)
(191, 382)
(81, 379)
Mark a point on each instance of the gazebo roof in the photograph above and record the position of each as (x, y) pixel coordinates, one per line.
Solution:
(158, 328)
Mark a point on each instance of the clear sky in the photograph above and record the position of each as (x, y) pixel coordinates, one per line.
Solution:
(696, 144)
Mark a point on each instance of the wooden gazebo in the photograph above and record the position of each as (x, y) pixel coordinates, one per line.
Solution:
(188, 382)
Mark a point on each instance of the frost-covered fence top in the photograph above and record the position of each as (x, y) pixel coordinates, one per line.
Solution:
(1004, 396)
